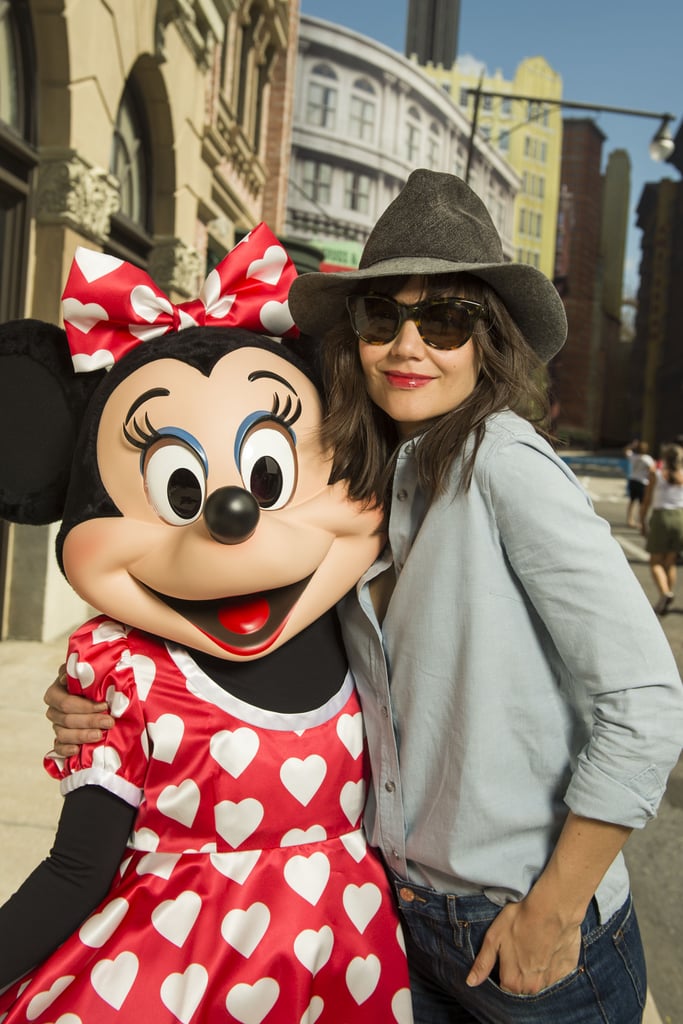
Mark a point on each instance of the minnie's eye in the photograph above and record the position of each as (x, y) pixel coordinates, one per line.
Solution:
(268, 464)
(175, 482)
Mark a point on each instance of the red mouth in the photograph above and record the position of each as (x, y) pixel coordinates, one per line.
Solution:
(406, 381)
(245, 624)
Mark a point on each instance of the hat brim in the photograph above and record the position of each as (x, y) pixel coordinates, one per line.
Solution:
(317, 301)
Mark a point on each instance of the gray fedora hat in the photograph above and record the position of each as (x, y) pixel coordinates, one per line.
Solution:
(437, 225)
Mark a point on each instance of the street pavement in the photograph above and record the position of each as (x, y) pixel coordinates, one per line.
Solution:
(30, 802)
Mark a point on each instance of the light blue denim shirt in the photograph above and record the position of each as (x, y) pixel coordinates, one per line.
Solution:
(519, 672)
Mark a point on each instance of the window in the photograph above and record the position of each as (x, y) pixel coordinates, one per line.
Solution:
(522, 221)
(541, 187)
(413, 135)
(434, 146)
(321, 100)
(357, 192)
(506, 106)
(487, 103)
(130, 159)
(464, 96)
(317, 181)
(504, 142)
(362, 114)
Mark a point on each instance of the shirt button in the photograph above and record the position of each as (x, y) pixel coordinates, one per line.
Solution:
(385, 711)
(406, 894)
(402, 494)
(390, 786)
(394, 854)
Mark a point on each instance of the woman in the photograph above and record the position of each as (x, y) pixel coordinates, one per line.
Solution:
(492, 642)
(664, 531)
(640, 462)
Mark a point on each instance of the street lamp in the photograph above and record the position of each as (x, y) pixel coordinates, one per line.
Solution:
(661, 146)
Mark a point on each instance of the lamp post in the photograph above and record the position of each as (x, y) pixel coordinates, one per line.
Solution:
(661, 146)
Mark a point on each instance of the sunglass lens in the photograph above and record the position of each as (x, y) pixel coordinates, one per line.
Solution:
(375, 319)
(446, 325)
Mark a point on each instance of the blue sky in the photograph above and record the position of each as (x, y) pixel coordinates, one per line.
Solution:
(625, 54)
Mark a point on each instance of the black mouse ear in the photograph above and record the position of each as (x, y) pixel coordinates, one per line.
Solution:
(42, 402)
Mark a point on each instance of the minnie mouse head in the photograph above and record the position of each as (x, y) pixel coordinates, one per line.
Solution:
(182, 453)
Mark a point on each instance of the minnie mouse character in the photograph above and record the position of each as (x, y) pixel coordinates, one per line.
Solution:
(209, 863)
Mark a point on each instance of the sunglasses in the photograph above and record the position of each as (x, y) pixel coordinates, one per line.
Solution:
(443, 323)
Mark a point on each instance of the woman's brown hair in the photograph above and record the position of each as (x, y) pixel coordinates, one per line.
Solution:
(365, 440)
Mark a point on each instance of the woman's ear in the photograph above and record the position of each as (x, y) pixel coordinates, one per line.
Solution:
(42, 402)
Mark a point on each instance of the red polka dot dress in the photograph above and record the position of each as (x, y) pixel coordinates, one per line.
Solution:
(247, 893)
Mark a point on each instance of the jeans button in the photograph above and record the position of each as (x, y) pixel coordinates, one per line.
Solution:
(406, 894)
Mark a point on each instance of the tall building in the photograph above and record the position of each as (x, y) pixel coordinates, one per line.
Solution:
(528, 134)
(364, 118)
(155, 131)
(432, 31)
(589, 375)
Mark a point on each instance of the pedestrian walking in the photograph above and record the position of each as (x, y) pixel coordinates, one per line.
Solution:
(662, 523)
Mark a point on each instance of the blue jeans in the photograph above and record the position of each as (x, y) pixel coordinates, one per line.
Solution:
(444, 934)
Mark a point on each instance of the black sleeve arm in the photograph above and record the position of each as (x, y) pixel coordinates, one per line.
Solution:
(53, 901)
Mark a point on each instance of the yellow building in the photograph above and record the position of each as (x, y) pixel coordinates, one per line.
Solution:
(528, 133)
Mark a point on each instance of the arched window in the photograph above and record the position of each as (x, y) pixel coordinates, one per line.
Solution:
(321, 98)
(413, 135)
(131, 227)
(434, 145)
(362, 111)
(18, 156)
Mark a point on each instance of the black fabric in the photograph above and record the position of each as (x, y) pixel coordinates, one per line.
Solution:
(53, 901)
(299, 676)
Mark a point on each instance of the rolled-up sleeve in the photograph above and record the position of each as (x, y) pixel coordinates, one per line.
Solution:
(614, 661)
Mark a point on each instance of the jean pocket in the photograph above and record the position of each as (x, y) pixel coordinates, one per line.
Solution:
(628, 944)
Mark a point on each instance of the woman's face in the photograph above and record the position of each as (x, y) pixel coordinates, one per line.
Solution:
(412, 382)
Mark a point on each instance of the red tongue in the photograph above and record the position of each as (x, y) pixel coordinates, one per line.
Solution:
(244, 615)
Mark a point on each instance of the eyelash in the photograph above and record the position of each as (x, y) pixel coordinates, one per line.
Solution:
(148, 435)
(145, 437)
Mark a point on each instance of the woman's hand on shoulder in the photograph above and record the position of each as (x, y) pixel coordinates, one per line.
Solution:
(75, 720)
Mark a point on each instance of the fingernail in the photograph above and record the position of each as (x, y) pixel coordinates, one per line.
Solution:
(94, 736)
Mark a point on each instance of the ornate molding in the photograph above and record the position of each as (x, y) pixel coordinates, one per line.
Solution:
(199, 23)
(176, 267)
(72, 193)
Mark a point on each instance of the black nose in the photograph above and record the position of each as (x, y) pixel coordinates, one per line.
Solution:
(231, 514)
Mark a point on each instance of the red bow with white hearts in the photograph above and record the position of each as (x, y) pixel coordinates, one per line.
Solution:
(110, 306)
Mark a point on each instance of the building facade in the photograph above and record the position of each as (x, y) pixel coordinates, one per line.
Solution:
(155, 130)
(364, 118)
(527, 134)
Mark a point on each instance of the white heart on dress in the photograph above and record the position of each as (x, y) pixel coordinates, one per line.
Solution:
(145, 839)
(94, 265)
(113, 979)
(276, 317)
(361, 903)
(143, 668)
(352, 800)
(182, 993)
(180, 803)
(308, 876)
(244, 929)
(269, 268)
(250, 1004)
(300, 836)
(80, 670)
(303, 777)
(117, 701)
(313, 1011)
(236, 866)
(106, 758)
(235, 822)
(350, 732)
(166, 734)
(314, 948)
(107, 631)
(160, 865)
(175, 919)
(98, 928)
(362, 976)
(234, 751)
(83, 315)
(402, 1006)
(355, 844)
(42, 1000)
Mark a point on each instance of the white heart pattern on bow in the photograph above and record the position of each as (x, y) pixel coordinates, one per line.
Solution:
(270, 267)
(83, 315)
